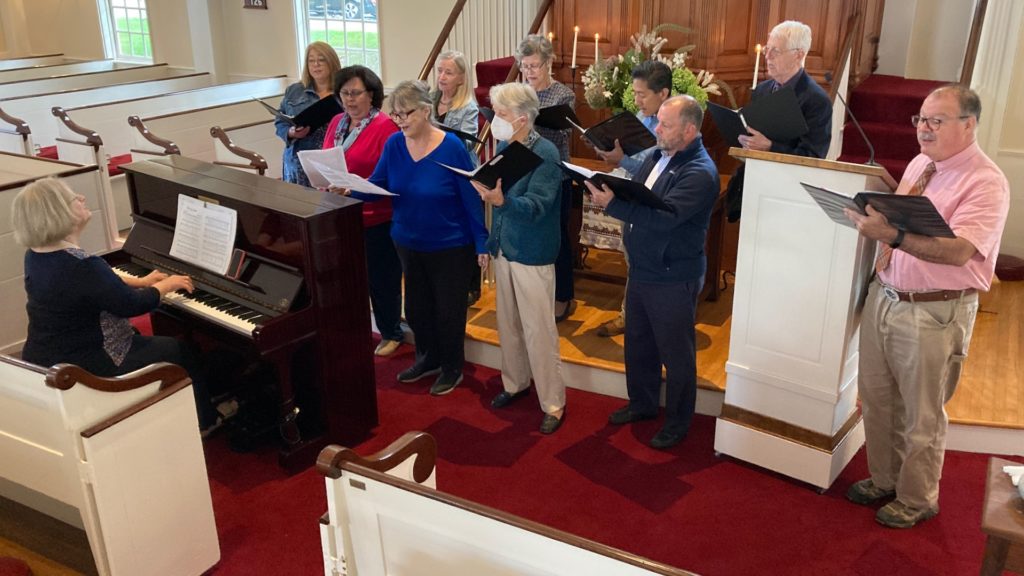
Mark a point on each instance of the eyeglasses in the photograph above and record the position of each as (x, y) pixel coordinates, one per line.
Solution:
(351, 93)
(401, 116)
(775, 52)
(934, 123)
(531, 67)
(313, 61)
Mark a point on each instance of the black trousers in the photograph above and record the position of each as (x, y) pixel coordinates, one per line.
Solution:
(436, 287)
(384, 275)
(564, 289)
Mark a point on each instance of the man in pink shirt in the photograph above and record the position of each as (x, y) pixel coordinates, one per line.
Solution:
(919, 314)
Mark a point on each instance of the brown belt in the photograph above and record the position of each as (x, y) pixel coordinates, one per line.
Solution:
(936, 296)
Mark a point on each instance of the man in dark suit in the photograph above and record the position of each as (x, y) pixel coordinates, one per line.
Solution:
(784, 53)
(666, 270)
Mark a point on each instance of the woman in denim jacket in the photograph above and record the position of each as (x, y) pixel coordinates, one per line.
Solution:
(322, 64)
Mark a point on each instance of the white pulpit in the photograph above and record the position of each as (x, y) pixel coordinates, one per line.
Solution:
(791, 378)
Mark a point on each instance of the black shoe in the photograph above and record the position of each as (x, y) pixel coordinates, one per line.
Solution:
(570, 307)
(550, 423)
(472, 297)
(445, 383)
(665, 439)
(415, 372)
(624, 416)
(504, 398)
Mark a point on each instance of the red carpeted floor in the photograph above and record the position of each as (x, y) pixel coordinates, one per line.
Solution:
(684, 507)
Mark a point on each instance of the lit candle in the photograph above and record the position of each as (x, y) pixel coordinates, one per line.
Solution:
(757, 63)
(551, 37)
(575, 37)
(597, 38)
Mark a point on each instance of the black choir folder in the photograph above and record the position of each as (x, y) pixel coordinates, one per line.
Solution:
(623, 188)
(314, 116)
(510, 165)
(631, 133)
(776, 115)
(914, 214)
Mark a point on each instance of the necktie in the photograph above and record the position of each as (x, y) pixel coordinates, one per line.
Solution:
(885, 257)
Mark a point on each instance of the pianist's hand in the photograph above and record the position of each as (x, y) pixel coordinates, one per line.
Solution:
(152, 278)
(173, 284)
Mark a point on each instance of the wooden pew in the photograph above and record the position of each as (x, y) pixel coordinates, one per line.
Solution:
(100, 133)
(27, 61)
(252, 147)
(31, 72)
(16, 171)
(119, 457)
(27, 123)
(87, 80)
(188, 132)
(381, 522)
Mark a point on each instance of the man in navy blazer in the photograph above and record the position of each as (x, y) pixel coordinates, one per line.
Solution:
(666, 270)
(784, 54)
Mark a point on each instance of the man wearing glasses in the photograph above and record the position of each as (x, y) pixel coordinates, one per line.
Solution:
(919, 314)
(784, 55)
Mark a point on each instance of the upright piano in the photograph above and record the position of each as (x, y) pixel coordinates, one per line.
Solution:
(298, 298)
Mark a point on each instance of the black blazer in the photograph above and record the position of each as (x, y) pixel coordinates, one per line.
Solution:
(817, 109)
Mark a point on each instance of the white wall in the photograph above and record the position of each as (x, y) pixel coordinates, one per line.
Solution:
(897, 21)
(68, 26)
(925, 39)
(259, 43)
(169, 32)
(416, 23)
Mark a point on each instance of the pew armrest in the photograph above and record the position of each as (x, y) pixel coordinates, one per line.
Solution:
(256, 161)
(166, 146)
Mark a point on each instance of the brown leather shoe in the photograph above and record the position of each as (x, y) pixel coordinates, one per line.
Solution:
(612, 327)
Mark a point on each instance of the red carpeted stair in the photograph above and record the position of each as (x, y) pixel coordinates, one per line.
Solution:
(883, 105)
(489, 73)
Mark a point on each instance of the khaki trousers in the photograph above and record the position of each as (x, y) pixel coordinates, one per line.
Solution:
(911, 356)
(526, 329)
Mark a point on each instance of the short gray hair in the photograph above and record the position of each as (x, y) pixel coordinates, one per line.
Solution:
(689, 110)
(535, 44)
(796, 34)
(518, 97)
(408, 95)
(969, 101)
(41, 213)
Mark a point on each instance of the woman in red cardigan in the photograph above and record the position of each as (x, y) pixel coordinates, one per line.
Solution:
(362, 130)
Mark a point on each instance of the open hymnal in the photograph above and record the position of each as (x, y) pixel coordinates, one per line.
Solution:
(509, 165)
(632, 135)
(776, 115)
(624, 189)
(204, 234)
(314, 116)
(327, 169)
(914, 214)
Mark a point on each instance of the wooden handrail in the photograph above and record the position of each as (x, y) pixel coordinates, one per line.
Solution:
(442, 37)
(90, 136)
(255, 160)
(65, 376)
(20, 126)
(167, 146)
(967, 73)
(420, 444)
(837, 78)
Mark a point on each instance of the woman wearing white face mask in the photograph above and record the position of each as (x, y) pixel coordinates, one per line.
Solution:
(523, 245)
(534, 56)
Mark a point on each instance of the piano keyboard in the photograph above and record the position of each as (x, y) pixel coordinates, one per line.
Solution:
(209, 306)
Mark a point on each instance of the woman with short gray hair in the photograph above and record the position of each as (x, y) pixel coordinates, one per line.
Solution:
(523, 245)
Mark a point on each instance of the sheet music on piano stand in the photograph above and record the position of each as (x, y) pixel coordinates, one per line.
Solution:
(204, 234)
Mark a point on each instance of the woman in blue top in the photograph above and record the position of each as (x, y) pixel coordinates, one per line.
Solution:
(78, 308)
(438, 230)
(523, 245)
(317, 82)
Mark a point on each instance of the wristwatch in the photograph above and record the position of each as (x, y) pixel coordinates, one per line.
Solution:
(898, 240)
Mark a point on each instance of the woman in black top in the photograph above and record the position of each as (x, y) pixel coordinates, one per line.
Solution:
(78, 308)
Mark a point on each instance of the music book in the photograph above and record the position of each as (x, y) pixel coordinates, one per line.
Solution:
(776, 115)
(631, 133)
(558, 117)
(314, 116)
(624, 189)
(464, 136)
(510, 165)
(914, 214)
(204, 234)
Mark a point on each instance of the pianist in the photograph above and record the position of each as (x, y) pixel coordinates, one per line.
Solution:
(78, 308)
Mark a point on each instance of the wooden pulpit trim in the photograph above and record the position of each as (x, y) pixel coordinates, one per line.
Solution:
(65, 376)
(800, 435)
(420, 444)
(90, 136)
(255, 160)
(167, 146)
(877, 171)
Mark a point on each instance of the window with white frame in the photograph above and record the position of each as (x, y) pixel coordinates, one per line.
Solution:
(129, 30)
(349, 26)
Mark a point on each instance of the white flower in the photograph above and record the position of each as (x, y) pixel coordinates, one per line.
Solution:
(607, 94)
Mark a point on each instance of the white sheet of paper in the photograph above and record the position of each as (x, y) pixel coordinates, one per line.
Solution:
(204, 234)
(586, 172)
(466, 173)
(312, 160)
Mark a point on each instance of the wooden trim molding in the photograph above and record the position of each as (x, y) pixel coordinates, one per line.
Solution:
(85, 88)
(256, 161)
(65, 376)
(165, 392)
(20, 126)
(420, 444)
(776, 427)
(167, 146)
(878, 171)
(967, 72)
(847, 52)
(19, 363)
(78, 73)
(246, 125)
(90, 136)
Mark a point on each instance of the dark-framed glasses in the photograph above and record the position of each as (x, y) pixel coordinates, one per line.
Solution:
(531, 67)
(402, 116)
(351, 93)
(935, 122)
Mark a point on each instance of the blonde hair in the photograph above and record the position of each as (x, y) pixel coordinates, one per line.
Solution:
(463, 95)
(41, 213)
(518, 97)
(333, 63)
(409, 94)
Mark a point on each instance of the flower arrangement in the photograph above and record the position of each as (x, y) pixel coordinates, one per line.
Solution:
(608, 83)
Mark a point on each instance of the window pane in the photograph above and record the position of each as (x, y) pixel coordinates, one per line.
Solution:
(134, 23)
(353, 57)
(123, 43)
(120, 19)
(373, 60)
(372, 40)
